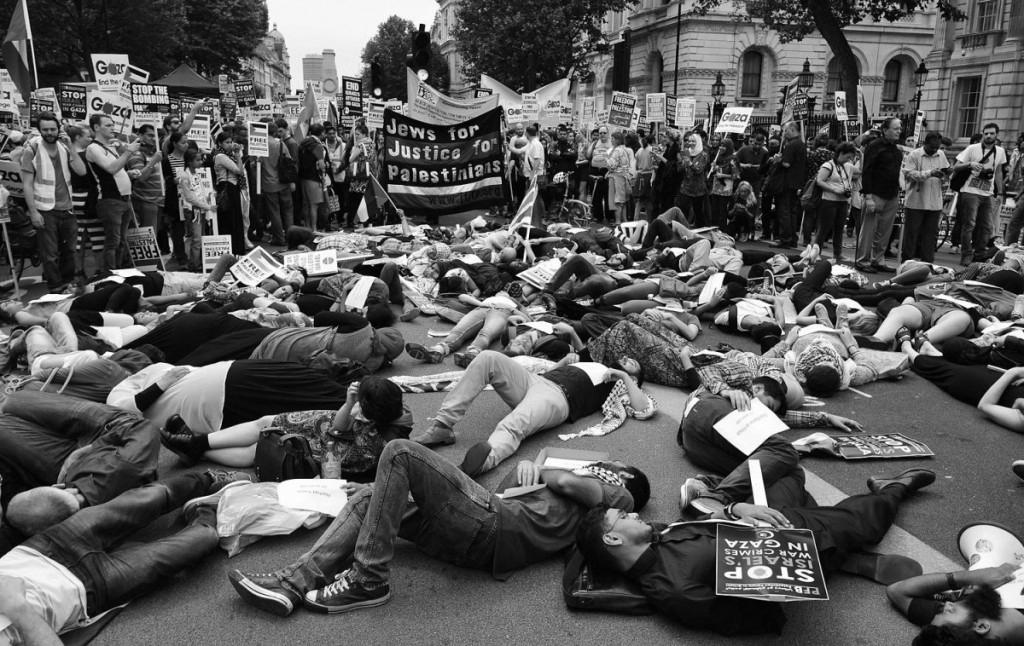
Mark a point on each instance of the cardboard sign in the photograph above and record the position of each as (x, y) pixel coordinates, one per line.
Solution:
(375, 114)
(768, 564)
(686, 112)
(670, 110)
(351, 104)
(109, 70)
(143, 249)
(840, 106)
(150, 98)
(620, 113)
(213, 248)
(589, 110)
(259, 139)
(114, 106)
(37, 106)
(531, 107)
(482, 91)
(245, 93)
(72, 101)
(735, 120)
(656, 107)
(255, 267)
(883, 446)
(200, 132)
(316, 263)
(748, 429)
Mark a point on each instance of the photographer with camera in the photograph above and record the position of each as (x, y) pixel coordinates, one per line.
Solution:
(924, 170)
(833, 178)
(976, 205)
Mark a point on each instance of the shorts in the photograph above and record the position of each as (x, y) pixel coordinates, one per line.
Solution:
(312, 191)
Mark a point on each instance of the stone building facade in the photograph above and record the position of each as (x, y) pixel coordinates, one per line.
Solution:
(441, 34)
(270, 66)
(977, 71)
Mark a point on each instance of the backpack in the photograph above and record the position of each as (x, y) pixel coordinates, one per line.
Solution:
(283, 456)
(287, 171)
(810, 196)
(585, 589)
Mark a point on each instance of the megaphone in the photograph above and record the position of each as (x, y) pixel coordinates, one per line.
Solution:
(986, 544)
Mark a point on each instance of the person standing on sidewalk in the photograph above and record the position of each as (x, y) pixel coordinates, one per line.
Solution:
(924, 168)
(883, 161)
(976, 204)
(107, 159)
(46, 165)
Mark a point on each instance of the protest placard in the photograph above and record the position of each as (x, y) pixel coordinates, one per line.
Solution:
(686, 112)
(880, 446)
(840, 106)
(374, 114)
(150, 98)
(262, 110)
(114, 106)
(316, 263)
(72, 101)
(204, 192)
(38, 105)
(620, 112)
(748, 429)
(767, 563)
(351, 104)
(531, 107)
(109, 70)
(255, 267)
(143, 249)
(200, 132)
(245, 93)
(589, 109)
(259, 139)
(213, 247)
(443, 168)
(735, 120)
(670, 110)
(656, 107)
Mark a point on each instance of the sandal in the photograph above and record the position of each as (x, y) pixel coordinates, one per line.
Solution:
(903, 336)
(920, 338)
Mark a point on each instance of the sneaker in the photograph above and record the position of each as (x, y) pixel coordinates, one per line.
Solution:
(475, 459)
(421, 352)
(410, 315)
(821, 315)
(1018, 468)
(345, 594)
(264, 591)
(221, 479)
(463, 359)
(436, 434)
(691, 489)
(192, 508)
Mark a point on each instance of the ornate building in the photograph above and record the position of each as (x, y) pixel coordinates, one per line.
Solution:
(441, 33)
(754, 64)
(269, 66)
(978, 69)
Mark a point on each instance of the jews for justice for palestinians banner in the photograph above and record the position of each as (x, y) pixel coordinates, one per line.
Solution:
(443, 168)
(428, 105)
(768, 564)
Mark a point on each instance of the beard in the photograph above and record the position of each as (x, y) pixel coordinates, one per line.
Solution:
(50, 139)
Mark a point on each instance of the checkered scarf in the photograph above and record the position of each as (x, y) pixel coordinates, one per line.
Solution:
(819, 352)
(616, 409)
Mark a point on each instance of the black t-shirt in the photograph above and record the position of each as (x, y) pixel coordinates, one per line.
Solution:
(583, 396)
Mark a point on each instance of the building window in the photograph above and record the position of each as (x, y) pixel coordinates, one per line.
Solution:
(891, 81)
(985, 18)
(834, 83)
(753, 64)
(968, 105)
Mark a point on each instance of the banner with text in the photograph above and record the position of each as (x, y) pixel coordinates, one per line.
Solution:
(114, 106)
(72, 101)
(351, 106)
(430, 106)
(620, 112)
(443, 168)
(735, 120)
(550, 99)
(108, 70)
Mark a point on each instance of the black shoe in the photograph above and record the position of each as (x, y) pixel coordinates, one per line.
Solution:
(784, 244)
(873, 343)
(345, 594)
(473, 464)
(882, 568)
(179, 438)
(864, 268)
(883, 269)
(912, 479)
(264, 591)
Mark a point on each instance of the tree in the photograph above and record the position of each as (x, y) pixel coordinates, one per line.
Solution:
(529, 43)
(219, 34)
(795, 19)
(66, 32)
(390, 46)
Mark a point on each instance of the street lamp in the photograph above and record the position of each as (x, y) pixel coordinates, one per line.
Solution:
(920, 75)
(805, 79)
(717, 92)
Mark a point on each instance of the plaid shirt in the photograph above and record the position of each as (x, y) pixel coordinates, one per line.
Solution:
(737, 370)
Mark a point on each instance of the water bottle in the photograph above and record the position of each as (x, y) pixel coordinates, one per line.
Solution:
(330, 465)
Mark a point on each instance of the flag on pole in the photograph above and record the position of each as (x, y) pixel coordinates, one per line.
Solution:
(525, 213)
(310, 113)
(379, 206)
(136, 74)
(18, 54)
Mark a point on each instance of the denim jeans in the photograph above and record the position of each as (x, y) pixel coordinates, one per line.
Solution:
(485, 323)
(57, 337)
(57, 242)
(453, 519)
(88, 543)
(115, 215)
(277, 207)
(590, 281)
(707, 449)
(975, 224)
(877, 218)
(537, 404)
(39, 430)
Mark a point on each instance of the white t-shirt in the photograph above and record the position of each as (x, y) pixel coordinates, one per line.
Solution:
(198, 396)
(533, 159)
(57, 595)
(974, 153)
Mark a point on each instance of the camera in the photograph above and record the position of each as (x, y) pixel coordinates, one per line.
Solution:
(986, 174)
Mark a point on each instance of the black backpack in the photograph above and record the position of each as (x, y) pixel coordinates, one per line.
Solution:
(287, 170)
(284, 456)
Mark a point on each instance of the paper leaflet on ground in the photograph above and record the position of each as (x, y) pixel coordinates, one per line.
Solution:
(540, 274)
(255, 267)
(713, 284)
(326, 496)
(768, 563)
(748, 429)
(316, 263)
(541, 326)
(356, 299)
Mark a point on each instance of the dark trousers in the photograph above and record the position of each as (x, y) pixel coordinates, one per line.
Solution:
(692, 207)
(229, 216)
(788, 211)
(831, 218)
(591, 281)
(921, 234)
(88, 543)
(57, 242)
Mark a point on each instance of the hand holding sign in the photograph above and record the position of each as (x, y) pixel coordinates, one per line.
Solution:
(734, 120)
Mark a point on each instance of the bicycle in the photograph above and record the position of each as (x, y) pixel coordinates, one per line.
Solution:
(947, 219)
(573, 211)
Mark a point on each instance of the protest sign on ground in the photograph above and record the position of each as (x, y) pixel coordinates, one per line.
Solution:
(316, 263)
(768, 563)
(213, 247)
(143, 249)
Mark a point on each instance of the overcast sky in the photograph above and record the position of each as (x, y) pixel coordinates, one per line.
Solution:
(311, 26)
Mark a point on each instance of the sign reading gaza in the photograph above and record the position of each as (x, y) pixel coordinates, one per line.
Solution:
(443, 168)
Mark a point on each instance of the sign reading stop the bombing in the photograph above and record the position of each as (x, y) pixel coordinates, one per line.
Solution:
(735, 120)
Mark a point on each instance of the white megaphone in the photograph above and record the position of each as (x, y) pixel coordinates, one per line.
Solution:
(986, 544)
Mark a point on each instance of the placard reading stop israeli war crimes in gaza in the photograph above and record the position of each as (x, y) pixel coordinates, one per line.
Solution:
(443, 168)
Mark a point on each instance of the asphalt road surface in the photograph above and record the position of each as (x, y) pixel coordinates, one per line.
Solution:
(437, 603)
